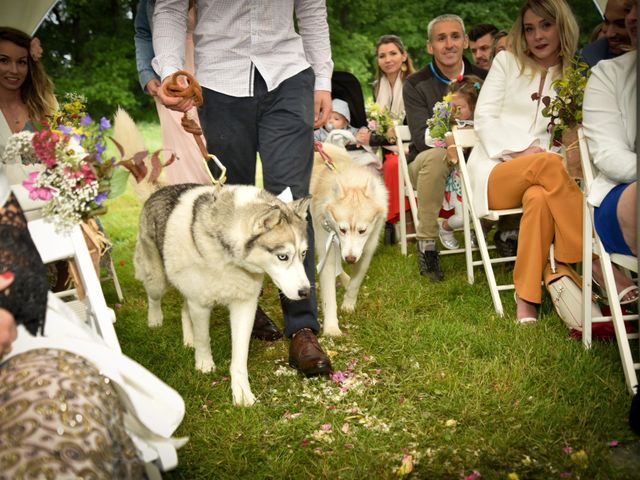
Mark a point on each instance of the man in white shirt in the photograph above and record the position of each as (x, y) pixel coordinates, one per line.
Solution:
(265, 88)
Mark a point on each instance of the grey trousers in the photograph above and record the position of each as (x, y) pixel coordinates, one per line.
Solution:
(279, 126)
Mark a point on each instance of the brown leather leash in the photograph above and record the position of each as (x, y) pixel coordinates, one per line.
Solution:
(193, 90)
(328, 161)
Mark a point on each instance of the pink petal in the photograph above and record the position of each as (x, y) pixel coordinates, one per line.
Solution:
(613, 443)
(345, 428)
(567, 449)
(326, 427)
(349, 445)
(566, 474)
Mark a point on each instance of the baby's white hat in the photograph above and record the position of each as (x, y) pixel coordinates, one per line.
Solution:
(341, 107)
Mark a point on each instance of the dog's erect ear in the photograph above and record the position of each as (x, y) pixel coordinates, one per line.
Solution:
(301, 206)
(266, 220)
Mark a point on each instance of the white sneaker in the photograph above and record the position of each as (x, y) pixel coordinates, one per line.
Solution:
(447, 237)
(474, 239)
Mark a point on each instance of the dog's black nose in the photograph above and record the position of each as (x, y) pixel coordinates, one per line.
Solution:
(304, 292)
(350, 259)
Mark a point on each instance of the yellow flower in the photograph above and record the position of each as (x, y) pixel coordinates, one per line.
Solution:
(513, 476)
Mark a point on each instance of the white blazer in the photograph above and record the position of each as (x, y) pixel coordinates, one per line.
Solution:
(610, 121)
(506, 120)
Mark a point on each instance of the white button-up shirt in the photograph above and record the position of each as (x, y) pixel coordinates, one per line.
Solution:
(233, 37)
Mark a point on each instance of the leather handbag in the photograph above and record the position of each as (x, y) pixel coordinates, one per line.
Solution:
(565, 287)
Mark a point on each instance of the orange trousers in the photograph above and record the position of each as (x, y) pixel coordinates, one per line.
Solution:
(552, 213)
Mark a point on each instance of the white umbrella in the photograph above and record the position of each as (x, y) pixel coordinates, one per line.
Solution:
(25, 15)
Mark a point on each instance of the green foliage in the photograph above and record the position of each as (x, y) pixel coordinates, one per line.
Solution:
(565, 109)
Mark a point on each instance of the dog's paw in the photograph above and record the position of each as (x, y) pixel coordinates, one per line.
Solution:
(242, 395)
(154, 322)
(205, 365)
(348, 305)
(344, 279)
(331, 330)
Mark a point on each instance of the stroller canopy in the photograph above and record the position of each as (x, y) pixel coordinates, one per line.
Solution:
(345, 86)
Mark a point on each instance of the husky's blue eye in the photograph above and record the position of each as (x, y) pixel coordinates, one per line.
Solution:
(283, 257)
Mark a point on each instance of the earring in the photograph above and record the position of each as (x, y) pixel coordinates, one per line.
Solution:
(403, 67)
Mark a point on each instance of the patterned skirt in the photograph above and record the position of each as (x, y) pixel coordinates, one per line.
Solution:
(60, 418)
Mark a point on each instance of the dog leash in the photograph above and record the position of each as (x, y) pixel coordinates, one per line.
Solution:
(331, 239)
(328, 161)
(193, 90)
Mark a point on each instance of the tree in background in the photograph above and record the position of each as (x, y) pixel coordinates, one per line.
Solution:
(89, 43)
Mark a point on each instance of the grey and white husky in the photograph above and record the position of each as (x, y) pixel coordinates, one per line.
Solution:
(214, 244)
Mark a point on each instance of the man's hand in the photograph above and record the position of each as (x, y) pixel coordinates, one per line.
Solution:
(180, 104)
(152, 87)
(8, 332)
(321, 107)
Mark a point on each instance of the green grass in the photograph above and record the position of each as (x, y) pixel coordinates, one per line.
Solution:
(434, 374)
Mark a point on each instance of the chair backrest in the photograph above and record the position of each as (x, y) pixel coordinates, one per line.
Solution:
(585, 161)
(465, 137)
(403, 134)
(53, 246)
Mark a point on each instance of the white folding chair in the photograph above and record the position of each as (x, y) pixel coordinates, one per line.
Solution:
(33, 210)
(592, 244)
(54, 246)
(465, 138)
(405, 189)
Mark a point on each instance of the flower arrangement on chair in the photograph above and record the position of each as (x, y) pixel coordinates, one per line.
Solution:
(440, 122)
(78, 175)
(381, 121)
(565, 112)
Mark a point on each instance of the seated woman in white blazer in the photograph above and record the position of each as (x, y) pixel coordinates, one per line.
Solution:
(610, 125)
(511, 166)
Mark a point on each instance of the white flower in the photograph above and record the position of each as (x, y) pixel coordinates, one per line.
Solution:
(19, 148)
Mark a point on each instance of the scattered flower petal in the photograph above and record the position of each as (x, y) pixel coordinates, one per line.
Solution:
(325, 427)
(475, 475)
(406, 466)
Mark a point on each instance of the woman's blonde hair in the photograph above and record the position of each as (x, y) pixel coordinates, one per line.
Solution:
(556, 11)
(37, 90)
(404, 73)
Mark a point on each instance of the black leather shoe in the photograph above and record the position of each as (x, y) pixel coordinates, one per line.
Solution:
(389, 233)
(264, 328)
(506, 248)
(306, 354)
(429, 265)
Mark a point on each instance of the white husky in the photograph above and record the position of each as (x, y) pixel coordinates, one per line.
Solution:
(214, 244)
(349, 208)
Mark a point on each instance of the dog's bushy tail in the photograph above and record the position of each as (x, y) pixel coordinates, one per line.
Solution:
(128, 136)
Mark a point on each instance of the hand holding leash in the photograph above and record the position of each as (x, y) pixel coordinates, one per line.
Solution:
(192, 94)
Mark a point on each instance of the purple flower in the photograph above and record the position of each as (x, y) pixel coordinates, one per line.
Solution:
(100, 148)
(86, 120)
(65, 129)
(101, 198)
(104, 124)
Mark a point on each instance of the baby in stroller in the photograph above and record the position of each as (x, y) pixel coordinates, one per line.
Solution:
(347, 118)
